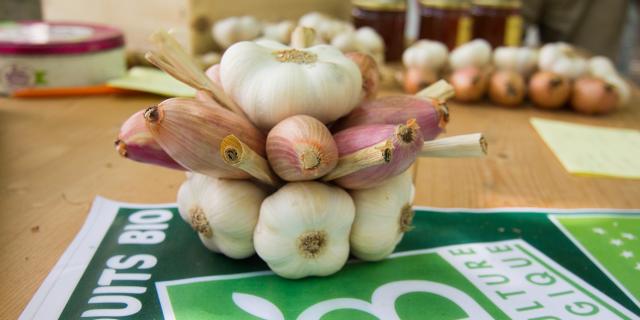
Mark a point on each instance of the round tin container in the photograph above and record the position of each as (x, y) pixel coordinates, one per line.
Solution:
(56, 54)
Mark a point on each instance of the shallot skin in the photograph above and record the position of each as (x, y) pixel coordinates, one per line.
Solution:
(431, 116)
(369, 71)
(135, 142)
(593, 96)
(407, 142)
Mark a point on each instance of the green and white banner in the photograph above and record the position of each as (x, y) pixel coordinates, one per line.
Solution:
(143, 262)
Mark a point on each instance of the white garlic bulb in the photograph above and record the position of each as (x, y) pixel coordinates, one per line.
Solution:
(522, 60)
(279, 31)
(347, 42)
(324, 25)
(476, 53)
(371, 42)
(383, 215)
(425, 55)
(562, 59)
(235, 29)
(223, 212)
(303, 229)
(271, 81)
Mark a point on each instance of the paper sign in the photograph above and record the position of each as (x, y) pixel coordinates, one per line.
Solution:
(590, 150)
(153, 81)
(144, 262)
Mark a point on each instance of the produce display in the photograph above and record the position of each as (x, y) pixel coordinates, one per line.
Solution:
(289, 153)
(551, 77)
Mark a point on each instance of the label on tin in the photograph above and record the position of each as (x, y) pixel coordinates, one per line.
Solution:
(465, 27)
(42, 33)
(513, 31)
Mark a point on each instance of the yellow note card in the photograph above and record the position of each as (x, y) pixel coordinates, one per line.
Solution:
(590, 150)
(153, 81)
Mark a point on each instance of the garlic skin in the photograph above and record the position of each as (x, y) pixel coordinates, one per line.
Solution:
(223, 212)
(271, 81)
(279, 31)
(425, 55)
(519, 59)
(562, 58)
(476, 53)
(235, 29)
(383, 215)
(303, 229)
(301, 148)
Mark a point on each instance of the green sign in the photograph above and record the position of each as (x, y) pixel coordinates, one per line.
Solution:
(144, 262)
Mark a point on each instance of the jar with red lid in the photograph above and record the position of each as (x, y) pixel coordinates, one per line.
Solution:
(497, 21)
(446, 21)
(388, 18)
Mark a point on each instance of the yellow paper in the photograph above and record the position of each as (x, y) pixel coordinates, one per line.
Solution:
(590, 150)
(153, 81)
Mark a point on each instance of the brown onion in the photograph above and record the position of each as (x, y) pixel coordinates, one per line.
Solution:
(470, 83)
(593, 96)
(549, 90)
(415, 79)
(507, 88)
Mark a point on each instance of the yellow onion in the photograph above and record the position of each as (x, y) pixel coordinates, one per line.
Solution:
(549, 90)
(415, 79)
(593, 96)
(507, 88)
(470, 83)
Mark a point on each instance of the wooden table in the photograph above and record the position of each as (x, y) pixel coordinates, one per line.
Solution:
(57, 154)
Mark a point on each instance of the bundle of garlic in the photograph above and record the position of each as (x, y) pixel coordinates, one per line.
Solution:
(271, 172)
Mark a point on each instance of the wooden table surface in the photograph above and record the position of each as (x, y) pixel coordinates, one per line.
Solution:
(56, 155)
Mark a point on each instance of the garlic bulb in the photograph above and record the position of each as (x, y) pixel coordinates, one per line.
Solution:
(519, 59)
(223, 212)
(425, 55)
(347, 42)
(301, 148)
(383, 215)
(326, 27)
(279, 31)
(562, 58)
(371, 42)
(271, 81)
(235, 29)
(476, 53)
(303, 229)
(602, 67)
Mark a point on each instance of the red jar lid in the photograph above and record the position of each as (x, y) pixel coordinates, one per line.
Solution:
(38, 37)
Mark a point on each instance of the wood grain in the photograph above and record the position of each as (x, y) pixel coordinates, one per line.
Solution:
(56, 155)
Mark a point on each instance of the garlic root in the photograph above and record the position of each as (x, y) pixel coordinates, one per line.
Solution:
(239, 155)
(467, 145)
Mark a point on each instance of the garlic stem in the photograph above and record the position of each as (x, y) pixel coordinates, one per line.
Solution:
(239, 155)
(370, 156)
(441, 91)
(466, 145)
(171, 58)
(302, 37)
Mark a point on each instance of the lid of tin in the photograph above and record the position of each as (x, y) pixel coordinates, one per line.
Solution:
(38, 37)
(498, 3)
(381, 5)
(446, 4)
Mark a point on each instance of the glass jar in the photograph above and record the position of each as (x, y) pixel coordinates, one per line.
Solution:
(497, 21)
(387, 18)
(446, 21)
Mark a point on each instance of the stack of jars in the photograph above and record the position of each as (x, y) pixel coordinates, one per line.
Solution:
(452, 22)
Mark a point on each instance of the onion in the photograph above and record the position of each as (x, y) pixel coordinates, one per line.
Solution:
(470, 83)
(593, 96)
(369, 71)
(507, 88)
(416, 79)
(549, 90)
